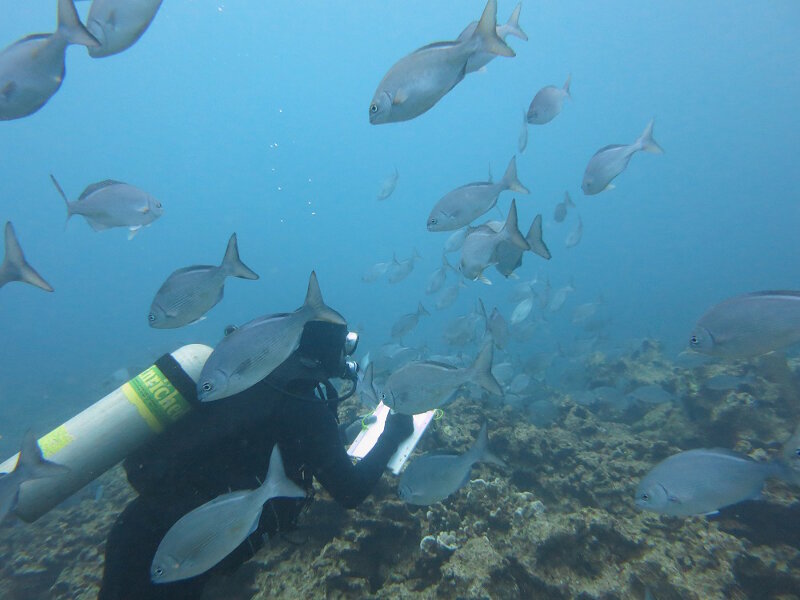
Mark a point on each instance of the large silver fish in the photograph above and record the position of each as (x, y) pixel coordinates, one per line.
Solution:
(251, 352)
(400, 269)
(118, 24)
(610, 161)
(418, 81)
(206, 535)
(547, 103)
(110, 203)
(480, 59)
(438, 277)
(560, 212)
(191, 292)
(509, 255)
(749, 325)
(32, 69)
(424, 385)
(701, 481)
(406, 323)
(463, 205)
(432, 478)
(449, 295)
(14, 266)
(388, 185)
(480, 247)
(30, 465)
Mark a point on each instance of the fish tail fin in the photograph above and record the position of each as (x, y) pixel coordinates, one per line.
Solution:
(566, 86)
(15, 267)
(512, 228)
(276, 484)
(510, 180)
(486, 32)
(512, 25)
(314, 303)
(647, 143)
(535, 241)
(70, 26)
(32, 464)
(480, 449)
(568, 200)
(481, 370)
(368, 383)
(422, 311)
(67, 203)
(233, 265)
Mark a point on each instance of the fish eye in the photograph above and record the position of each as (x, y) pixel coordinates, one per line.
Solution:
(158, 571)
(433, 221)
(693, 340)
(208, 386)
(158, 204)
(373, 108)
(645, 497)
(151, 317)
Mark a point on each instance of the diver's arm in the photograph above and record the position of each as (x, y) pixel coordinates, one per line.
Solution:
(350, 484)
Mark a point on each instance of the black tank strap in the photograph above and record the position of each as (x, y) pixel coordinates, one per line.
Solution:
(178, 378)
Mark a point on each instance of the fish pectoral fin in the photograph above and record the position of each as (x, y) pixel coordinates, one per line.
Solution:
(8, 90)
(609, 187)
(143, 210)
(400, 96)
(484, 279)
(711, 514)
(132, 231)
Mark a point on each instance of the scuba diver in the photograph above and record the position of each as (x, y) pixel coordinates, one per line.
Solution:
(224, 446)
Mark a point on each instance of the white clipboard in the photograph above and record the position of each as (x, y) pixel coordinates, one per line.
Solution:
(367, 438)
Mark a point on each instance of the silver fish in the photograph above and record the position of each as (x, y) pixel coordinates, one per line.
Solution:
(651, 394)
(574, 238)
(191, 292)
(610, 161)
(375, 272)
(480, 59)
(14, 266)
(449, 296)
(702, 481)
(432, 478)
(455, 241)
(418, 81)
(560, 212)
(480, 248)
(522, 141)
(522, 310)
(509, 256)
(400, 269)
(110, 203)
(388, 185)
(250, 353)
(548, 102)
(463, 330)
(520, 383)
(584, 312)
(30, 465)
(498, 327)
(118, 24)
(749, 325)
(206, 535)
(560, 296)
(438, 277)
(468, 202)
(408, 322)
(424, 385)
(392, 356)
(32, 69)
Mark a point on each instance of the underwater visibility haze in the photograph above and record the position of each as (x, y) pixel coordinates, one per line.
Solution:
(569, 228)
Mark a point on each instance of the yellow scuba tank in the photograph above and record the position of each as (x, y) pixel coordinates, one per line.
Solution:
(98, 438)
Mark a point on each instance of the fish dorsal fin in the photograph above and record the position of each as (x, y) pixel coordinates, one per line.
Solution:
(94, 187)
(314, 303)
(609, 147)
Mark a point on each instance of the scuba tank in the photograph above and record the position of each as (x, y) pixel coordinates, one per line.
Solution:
(98, 438)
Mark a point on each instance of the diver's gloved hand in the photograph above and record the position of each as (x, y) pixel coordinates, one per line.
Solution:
(398, 427)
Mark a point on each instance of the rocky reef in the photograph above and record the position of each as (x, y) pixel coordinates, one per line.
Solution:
(558, 522)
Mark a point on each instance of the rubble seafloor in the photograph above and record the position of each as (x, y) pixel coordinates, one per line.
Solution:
(557, 522)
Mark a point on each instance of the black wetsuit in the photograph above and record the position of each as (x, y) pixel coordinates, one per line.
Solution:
(222, 446)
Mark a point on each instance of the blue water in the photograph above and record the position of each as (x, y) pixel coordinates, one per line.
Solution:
(251, 117)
